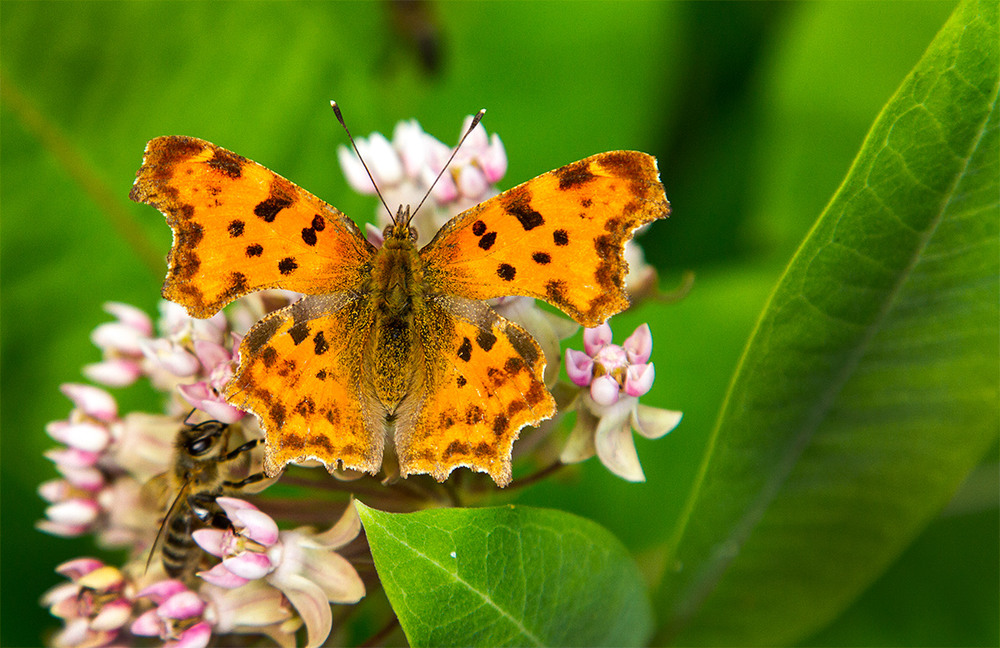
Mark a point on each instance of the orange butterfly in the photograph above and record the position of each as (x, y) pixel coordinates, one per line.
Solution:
(394, 342)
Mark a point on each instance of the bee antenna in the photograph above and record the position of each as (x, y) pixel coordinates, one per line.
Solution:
(193, 410)
(475, 122)
(340, 118)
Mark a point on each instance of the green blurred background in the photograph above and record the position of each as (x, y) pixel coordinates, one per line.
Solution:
(755, 112)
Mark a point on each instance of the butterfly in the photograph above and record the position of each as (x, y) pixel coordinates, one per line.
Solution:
(393, 349)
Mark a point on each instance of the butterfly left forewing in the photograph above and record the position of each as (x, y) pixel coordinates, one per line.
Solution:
(482, 384)
(558, 237)
(239, 227)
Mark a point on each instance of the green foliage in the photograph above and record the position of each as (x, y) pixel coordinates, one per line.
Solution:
(869, 388)
(507, 576)
(868, 391)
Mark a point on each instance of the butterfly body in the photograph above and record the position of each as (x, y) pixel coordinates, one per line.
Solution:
(397, 295)
(395, 344)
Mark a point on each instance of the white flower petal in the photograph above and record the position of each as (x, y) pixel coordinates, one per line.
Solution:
(580, 445)
(346, 529)
(613, 438)
(653, 422)
(313, 607)
(383, 161)
(353, 170)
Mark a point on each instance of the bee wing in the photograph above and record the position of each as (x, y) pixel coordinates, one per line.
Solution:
(155, 493)
(181, 495)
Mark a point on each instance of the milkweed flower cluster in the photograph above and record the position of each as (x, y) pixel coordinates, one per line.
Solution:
(109, 459)
(255, 577)
(612, 379)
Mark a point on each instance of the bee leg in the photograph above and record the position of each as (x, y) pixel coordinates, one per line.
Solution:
(236, 485)
(246, 447)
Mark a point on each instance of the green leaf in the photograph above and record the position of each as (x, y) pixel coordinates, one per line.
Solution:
(868, 390)
(507, 576)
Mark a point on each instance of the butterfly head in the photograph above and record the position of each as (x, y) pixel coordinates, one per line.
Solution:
(400, 229)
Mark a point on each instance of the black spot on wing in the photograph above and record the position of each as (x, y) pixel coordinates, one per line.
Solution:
(500, 424)
(299, 332)
(574, 175)
(320, 344)
(267, 210)
(227, 163)
(487, 241)
(506, 271)
(560, 237)
(287, 266)
(517, 203)
(236, 228)
(465, 350)
(485, 340)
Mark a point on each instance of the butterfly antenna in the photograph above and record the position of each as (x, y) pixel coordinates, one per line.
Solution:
(475, 122)
(340, 118)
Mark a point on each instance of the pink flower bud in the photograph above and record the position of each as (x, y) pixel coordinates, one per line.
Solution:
(130, 316)
(182, 605)
(197, 636)
(249, 565)
(115, 336)
(639, 345)
(73, 512)
(94, 401)
(604, 390)
(116, 372)
(171, 357)
(494, 160)
(594, 339)
(84, 436)
(639, 379)
(222, 577)
(78, 567)
(579, 367)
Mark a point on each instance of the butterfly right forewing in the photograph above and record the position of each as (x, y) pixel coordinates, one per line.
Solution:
(558, 237)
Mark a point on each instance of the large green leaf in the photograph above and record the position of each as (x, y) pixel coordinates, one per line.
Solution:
(507, 576)
(869, 388)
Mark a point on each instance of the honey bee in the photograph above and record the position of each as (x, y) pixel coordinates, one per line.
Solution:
(197, 477)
